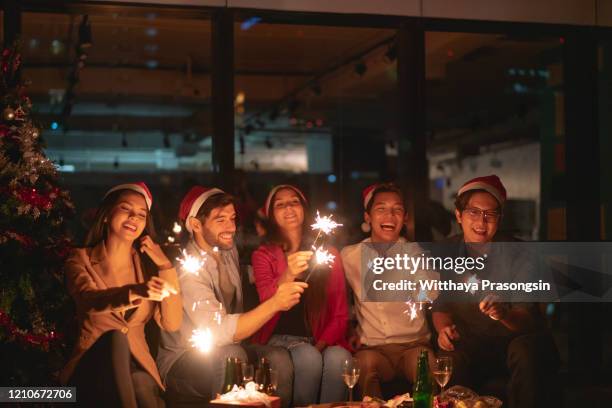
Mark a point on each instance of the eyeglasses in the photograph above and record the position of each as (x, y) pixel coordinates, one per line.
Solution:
(476, 214)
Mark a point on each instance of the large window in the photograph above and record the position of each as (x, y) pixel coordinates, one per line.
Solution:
(122, 94)
(313, 107)
(122, 91)
(495, 106)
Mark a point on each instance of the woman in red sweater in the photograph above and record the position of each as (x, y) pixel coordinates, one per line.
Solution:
(314, 330)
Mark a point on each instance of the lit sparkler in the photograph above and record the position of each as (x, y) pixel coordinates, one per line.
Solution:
(323, 257)
(414, 307)
(324, 225)
(191, 264)
(202, 340)
(177, 228)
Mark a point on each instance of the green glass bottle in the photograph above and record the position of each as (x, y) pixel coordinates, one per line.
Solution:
(264, 375)
(230, 375)
(423, 389)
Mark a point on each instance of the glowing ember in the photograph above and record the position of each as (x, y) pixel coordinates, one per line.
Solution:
(190, 263)
(177, 228)
(325, 224)
(202, 340)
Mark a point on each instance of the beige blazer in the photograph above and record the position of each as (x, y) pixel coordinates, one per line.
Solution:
(100, 304)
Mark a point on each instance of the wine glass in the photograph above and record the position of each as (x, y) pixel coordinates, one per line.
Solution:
(442, 371)
(350, 374)
(247, 373)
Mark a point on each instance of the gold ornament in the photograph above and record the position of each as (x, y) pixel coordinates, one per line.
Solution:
(8, 114)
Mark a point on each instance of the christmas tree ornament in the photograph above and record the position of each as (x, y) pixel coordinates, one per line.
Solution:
(8, 114)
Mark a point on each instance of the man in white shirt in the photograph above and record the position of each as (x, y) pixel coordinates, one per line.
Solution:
(388, 338)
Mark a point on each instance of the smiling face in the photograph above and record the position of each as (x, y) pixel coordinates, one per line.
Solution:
(477, 219)
(287, 209)
(128, 218)
(386, 216)
(219, 227)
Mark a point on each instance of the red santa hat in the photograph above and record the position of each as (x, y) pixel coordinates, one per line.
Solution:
(193, 201)
(368, 193)
(139, 187)
(274, 190)
(491, 184)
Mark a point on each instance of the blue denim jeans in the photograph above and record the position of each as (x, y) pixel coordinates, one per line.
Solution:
(317, 376)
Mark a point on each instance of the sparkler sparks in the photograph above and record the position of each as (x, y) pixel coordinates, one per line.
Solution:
(191, 264)
(414, 307)
(202, 340)
(325, 224)
(323, 257)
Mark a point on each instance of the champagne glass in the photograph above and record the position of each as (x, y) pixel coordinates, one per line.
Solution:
(442, 371)
(350, 374)
(247, 373)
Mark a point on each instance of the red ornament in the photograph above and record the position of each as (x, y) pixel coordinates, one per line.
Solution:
(32, 197)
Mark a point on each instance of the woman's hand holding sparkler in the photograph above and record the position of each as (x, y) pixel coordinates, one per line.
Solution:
(288, 295)
(155, 289)
(297, 263)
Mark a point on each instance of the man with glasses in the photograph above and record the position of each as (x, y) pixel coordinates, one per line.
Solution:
(484, 336)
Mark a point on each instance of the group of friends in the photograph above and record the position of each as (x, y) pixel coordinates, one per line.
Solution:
(122, 278)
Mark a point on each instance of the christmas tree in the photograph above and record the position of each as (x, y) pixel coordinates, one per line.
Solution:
(33, 242)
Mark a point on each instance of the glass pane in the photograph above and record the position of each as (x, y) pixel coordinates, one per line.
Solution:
(122, 94)
(495, 106)
(313, 108)
(127, 94)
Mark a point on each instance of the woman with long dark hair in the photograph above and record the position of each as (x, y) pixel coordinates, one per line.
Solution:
(314, 330)
(115, 297)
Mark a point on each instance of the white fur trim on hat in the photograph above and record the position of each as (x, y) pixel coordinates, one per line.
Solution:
(197, 204)
(134, 187)
(479, 185)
